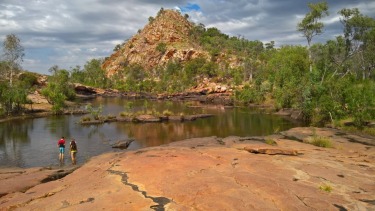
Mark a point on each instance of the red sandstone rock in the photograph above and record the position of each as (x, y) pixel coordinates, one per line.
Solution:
(214, 174)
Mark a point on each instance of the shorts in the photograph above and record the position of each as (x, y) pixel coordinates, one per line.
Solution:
(62, 149)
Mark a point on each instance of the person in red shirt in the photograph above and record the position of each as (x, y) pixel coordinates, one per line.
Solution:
(61, 145)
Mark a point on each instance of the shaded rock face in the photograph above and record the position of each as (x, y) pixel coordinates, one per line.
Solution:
(216, 174)
(169, 28)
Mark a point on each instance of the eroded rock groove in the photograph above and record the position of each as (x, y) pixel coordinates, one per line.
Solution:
(160, 201)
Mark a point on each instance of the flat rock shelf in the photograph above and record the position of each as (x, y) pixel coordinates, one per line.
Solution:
(210, 173)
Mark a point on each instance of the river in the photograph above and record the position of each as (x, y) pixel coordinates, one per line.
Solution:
(33, 142)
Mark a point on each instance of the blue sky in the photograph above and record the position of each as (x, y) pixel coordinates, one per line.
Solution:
(70, 32)
(190, 7)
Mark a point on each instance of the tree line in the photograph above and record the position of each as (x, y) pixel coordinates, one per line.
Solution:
(327, 82)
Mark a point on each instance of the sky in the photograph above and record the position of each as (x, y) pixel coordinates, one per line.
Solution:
(71, 32)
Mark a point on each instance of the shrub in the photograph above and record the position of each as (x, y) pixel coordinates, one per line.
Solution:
(95, 112)
(167, 113)
(270, 141)
(369, 131)
(126, 114)
(360, 102)
(28, 78)
(321, 141)
(151, 19)
(326, 188)
(248, 95)
(162, 47)
(85, 119)
(129, 106)
(110, 116)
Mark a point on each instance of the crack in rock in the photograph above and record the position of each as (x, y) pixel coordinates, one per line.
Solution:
(302, 200)
(368, 201)
(160, 201)
(341, 208)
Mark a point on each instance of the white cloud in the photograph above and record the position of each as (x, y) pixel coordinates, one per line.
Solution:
(69, 32)
(93, 49)
(332, 20)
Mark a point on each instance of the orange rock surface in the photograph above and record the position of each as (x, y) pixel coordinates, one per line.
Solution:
(217, 174)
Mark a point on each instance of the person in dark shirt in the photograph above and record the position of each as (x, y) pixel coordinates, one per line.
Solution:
(61, 145)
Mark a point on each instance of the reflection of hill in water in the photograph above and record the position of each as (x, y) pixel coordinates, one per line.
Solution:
(223, 124)
(32, 142)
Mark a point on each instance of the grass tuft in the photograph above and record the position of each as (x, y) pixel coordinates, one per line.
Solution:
(85, 119)
(325, 187)
(167, 113)
(321, 141)
(270, 141)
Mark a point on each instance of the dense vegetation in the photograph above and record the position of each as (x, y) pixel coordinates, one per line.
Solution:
(326, 81)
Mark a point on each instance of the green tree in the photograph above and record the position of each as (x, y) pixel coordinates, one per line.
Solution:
(13, 55)
(287, 69)
(94, 74)
(310, 25)
(12, 98)
(359, 33)
(360, 101)
(77, 75)
(58, 89)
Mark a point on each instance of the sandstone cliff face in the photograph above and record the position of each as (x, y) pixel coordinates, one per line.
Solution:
(170, 28)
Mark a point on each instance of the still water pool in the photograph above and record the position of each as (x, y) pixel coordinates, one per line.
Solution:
(33, 142)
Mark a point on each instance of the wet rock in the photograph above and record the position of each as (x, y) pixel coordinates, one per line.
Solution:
(146, 118)
(122, 144)
(292, 113)
(175, 118)
(197, 116)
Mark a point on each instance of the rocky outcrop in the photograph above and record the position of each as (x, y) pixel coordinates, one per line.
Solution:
(292, 113)
(169, 28)
(20, 180)
(122, 144)
(216, 174)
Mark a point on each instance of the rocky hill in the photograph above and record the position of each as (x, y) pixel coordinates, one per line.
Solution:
(166, 37)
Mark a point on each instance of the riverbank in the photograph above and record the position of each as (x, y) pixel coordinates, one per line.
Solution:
(219, 173)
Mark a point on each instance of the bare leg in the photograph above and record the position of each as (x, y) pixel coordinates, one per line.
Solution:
(73, 155)
(61, 157)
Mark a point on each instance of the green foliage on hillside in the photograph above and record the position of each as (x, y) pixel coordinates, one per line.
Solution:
(162, 47)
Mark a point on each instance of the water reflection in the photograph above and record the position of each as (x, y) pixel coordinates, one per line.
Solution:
(33, 142)
(12, 137)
